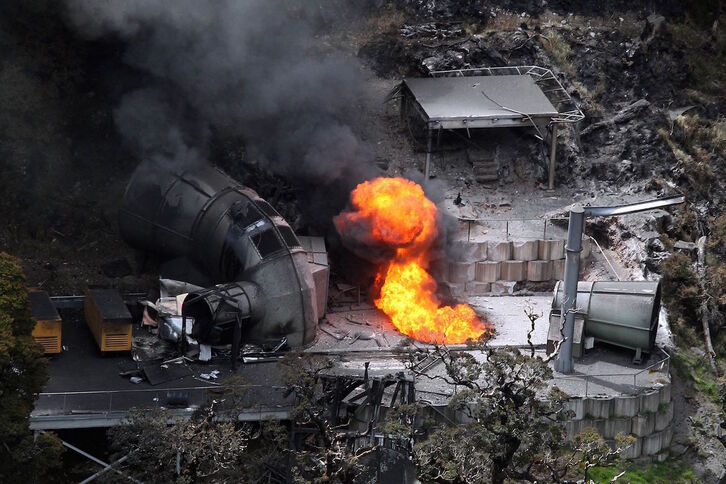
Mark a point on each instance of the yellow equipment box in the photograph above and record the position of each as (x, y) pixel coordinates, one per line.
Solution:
(48, 323)
(109, 319)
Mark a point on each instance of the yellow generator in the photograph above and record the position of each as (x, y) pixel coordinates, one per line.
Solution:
(47, 330)
(109, 319)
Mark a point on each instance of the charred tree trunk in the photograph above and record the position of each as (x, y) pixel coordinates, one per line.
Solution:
(705, 311)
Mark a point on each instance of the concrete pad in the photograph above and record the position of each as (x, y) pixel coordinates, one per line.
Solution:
(558, 269)
(551, 249)
(488, 271)
(525, 250)
(626, 406)
(507, 314)
(612, 373)
(461, 272)
(514, 270)
(664, 417)
(474, 288)
(499, 251)
(539, 270)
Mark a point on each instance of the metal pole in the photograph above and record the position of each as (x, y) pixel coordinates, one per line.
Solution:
(572, 269)
(97, 460)
(104, 470)
(553, 156)
(427, 169)
(183, 340)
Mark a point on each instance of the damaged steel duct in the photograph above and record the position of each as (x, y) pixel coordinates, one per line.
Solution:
(230, 239)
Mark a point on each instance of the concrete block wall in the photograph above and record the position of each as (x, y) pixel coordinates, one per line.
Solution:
(647, 417)
(495, 264)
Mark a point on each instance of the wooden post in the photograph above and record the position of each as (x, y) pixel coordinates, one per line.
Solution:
(553, 156)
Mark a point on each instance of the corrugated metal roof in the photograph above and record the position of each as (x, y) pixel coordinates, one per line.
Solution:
(480, 97)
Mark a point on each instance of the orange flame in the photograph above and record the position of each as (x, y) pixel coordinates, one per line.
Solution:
(395, 213)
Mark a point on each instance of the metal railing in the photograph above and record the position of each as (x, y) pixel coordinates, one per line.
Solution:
(567, 109)
(106, 402)
(621, 379)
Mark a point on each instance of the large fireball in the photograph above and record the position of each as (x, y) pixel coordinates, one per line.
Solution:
(393, 216)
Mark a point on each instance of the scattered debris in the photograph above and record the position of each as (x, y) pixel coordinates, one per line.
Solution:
(212, 375)
(205, 352)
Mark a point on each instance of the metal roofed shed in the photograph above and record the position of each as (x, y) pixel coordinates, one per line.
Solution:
(479, 101)
(496, 97)
(48, 328)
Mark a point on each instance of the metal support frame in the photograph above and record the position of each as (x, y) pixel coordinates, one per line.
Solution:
(572, 268)
(567, 109)
(553, 157)
(575, 226)
(106, 466)
(429, 141)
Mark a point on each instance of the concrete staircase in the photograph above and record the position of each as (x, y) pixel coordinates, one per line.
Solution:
(486, 166)
(486, 170)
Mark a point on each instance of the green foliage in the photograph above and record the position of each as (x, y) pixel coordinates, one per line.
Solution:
(22, 376)
(716, 243)
(594, 451)
(704, 48)
(14, 295)
(665, 472)
(559, 51)
(513, 432)
(681, 293)
(699, 372)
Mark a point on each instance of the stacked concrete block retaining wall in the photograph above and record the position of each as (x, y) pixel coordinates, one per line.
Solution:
(646, 416)
(494, 267)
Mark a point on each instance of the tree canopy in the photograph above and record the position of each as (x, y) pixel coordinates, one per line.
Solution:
(22, 376)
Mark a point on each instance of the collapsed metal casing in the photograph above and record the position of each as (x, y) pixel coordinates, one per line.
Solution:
(259, 269)
(623, 313)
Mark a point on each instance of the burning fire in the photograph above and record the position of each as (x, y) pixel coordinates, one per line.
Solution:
(395, 215)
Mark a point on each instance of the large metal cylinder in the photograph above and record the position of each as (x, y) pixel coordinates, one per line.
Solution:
(620, 313)
(229, 234)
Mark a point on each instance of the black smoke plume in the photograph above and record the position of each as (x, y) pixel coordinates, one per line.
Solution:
(253, 68)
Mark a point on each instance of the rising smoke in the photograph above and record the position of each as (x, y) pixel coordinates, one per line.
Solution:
(252, 68)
